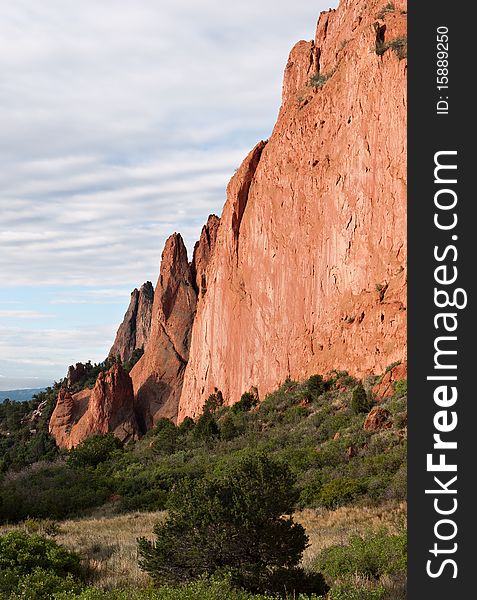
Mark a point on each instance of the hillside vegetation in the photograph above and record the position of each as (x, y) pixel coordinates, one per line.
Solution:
(314, 429)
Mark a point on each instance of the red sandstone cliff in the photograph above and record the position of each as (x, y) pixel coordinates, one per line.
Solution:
(108, 407)
(134, 331)
(158, 375)
(309, 272)
(305, 270)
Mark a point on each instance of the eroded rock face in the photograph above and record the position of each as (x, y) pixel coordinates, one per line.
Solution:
(75, 373)
(203, 252)
(134, 331)
(309, 274)
(108, 407)
(378, 418)
(158, 375)
(385, 388)
(304, 272)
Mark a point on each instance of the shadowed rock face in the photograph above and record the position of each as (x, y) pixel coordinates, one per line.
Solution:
(108, 407)
(75, 373)
(308, 273)
(203, 251)
(157, 377)
(134, 331)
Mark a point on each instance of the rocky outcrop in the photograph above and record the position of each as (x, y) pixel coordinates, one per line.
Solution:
(109, 407)
(68, 411)
(133, 333)
(76, 373)
(203, 252)
(309, 269)
(305, 271)
(378, 418)
(158, 375)
(385, 387)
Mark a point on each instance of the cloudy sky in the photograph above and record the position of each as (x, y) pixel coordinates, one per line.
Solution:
(120, 123)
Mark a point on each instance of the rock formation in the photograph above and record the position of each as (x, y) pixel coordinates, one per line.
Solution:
(134, 331)
(158, 375)
(305, 271)
(385, 387)
(309, 270)
(76, 373)
(377, 418)
(203, 251)
(109, 407)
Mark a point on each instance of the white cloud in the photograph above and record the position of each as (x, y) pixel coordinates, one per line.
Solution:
(122, 122)
(22, 314)
(48, 352)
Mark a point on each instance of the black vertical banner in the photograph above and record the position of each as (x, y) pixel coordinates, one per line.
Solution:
(442, 321)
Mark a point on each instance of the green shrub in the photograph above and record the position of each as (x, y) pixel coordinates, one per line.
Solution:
(316, 385)
(294, 414)
(341, 491)
(206, 428)
(388, 8)
(228, 429)
(352, 591)
(203, 589)
(21, 553)
(398, 46)
(32, 566)
(41, 584)
(94, 450)
(310, 494)
(360, 402)
(318, 80)
(136, 355)
(400, 388)
(187, 425)
(247, 402)
(371, 556)
(237, 519)
(213, 402)
(52, 491)
(165, 437)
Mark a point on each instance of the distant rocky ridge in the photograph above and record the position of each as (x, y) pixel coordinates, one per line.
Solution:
(133, 333)
(305, 271)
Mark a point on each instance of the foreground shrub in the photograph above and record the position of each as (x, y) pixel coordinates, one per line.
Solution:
(351, 591)
(372, 556)
(235, 521)
(203, 589)
(32, 566)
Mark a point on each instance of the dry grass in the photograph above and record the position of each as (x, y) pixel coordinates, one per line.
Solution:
(108, 546)
(107, 542)
(328, 527)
